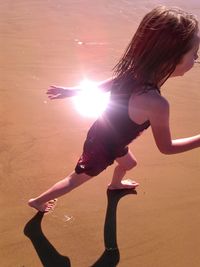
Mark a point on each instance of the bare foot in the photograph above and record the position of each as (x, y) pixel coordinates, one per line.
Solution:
(125, 184)
(45, 207)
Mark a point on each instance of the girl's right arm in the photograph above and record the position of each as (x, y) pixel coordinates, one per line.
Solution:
(159, 119)
(56, 92)
(106, 85)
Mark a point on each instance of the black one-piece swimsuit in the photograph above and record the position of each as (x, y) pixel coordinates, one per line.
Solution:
(109, 136)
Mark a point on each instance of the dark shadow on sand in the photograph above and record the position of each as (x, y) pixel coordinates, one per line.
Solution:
(111, 255)
(50, 257)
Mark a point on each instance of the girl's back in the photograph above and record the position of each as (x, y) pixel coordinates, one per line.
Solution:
(124, 118)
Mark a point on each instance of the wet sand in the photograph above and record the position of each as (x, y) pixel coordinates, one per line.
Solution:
(41, 141)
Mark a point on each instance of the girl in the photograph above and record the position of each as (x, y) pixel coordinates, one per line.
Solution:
(165, 45)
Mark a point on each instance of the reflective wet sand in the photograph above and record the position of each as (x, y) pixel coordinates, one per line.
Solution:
(61, 42)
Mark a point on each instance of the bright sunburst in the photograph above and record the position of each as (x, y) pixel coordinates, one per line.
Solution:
(91, 101)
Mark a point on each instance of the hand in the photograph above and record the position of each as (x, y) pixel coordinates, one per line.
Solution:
(55, 92)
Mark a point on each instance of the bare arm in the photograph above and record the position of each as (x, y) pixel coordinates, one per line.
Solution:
(57, 92)
(106, 85)
(159, 119)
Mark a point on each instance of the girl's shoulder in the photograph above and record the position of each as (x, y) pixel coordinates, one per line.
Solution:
(155, 98)
(157, 105)
(151, 102)
(150, 97)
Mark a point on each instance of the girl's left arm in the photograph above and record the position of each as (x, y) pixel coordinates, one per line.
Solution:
(159, 119)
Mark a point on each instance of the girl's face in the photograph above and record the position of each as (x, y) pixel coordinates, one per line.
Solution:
(188, 59)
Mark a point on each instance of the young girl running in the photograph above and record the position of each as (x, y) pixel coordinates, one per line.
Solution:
(165, 45)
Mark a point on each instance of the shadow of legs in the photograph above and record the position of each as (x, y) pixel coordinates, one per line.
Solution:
(46, 252)
(111, 255)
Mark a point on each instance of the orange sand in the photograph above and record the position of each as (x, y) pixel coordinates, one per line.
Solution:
(41, 141)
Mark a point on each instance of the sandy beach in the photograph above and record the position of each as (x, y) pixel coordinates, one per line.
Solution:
(61, 42)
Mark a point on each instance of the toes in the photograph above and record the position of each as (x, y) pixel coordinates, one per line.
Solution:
(129, 183)
(50, 205)
(46, 207)
(124, 185)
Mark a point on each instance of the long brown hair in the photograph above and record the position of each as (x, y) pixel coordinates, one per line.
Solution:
(162, 38)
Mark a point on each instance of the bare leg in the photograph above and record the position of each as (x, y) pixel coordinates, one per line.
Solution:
(46, 201)
(125, 163)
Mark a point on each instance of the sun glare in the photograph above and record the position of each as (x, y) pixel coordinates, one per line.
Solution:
(91, 101)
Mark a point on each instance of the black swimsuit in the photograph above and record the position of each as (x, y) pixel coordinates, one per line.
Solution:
(109, 136)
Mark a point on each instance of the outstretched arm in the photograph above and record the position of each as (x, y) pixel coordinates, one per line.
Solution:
(106, 85)
(159, 119)
(57, 92)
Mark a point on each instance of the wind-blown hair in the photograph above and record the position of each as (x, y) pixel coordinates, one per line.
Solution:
(162, 38)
